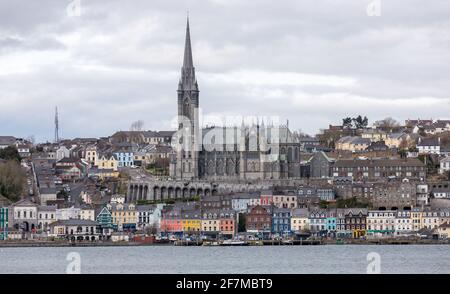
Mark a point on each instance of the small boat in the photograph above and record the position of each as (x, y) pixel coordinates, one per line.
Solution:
(287, 242)
(210, 243)
(234, 243)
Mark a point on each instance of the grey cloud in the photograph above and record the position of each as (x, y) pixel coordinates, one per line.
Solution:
(119, 61)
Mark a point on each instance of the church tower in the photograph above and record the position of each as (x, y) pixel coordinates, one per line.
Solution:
(188, 112)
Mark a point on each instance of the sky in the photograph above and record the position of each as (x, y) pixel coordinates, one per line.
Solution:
(108, 63)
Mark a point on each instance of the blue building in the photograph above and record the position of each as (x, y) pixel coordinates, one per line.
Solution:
(125, 158)
(281, 221)
(331, 223)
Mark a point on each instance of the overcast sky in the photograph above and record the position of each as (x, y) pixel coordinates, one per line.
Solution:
(312, 62)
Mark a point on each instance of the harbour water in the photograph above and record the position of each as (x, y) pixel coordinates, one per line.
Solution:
(328, 259)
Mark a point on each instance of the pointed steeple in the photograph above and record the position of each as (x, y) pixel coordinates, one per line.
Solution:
(188, 80)
(187, 61)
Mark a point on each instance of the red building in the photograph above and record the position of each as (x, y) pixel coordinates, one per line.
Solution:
(259, 219)
(171, 220)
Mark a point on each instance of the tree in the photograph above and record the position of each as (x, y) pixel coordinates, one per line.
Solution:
(347, 122)
(137, 125)
(10, 153)
(12, 179)
(388, 124)
(360, 122)
(323, 204)
(403, 144)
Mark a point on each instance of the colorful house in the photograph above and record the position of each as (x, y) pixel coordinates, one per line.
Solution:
(211, 222)
(281, 221)
(300, 220)
(104, 218)
(125, 158)
(403, 223)
(4, 223)
(381, 222)
(351, 222)
(171, 220)
(124, 215)
(90, 154)
(191, 222)
(228, 223)
(331, 222)
(107, 160)
(259, 219)
(318, 222)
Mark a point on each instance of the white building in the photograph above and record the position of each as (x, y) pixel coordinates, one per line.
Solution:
(429, 145)
(422, 194)
(241, 203)
(381, 222)
(87, 213)
(67, 213)
(46, 216)
(403, 223)
(25, 215)
(444, 165)
(62, 152)
(117, 199)
(149, 216)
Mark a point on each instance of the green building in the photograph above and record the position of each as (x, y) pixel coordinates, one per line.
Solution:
(104, 218)
(3, 223)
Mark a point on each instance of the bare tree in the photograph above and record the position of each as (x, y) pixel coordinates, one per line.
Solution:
(388, 124)
(137, 125)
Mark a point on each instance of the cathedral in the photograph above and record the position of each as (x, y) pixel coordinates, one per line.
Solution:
(245, 152)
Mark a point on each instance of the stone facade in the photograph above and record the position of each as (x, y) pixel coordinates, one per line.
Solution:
(223, 153)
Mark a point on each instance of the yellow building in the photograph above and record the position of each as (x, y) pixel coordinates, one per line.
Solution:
(210, 222)
(353, 144)
(124, 215)
(374, 135)
(191, 221)
(90, 154)
(300, 220)
(444, 216)
(443, 231)
(107, 161)
(397, 140)
(416, 219)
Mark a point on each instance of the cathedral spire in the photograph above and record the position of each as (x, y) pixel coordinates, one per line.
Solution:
(188, 80)
(187, 62)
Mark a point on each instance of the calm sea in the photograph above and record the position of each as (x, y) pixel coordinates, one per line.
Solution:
(418, 259)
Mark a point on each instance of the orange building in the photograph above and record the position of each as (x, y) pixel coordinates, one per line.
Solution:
(228, 223)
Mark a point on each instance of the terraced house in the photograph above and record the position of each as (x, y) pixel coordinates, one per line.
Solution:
(191, 221)
(300, 220)
(403, 223)
(376, 169)
(228, 223)
(281, 221)
(318, 222)
(381, 222)
(124, 215)
(259, 219)
(211, 222)
(351, 222)
(171, 220)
